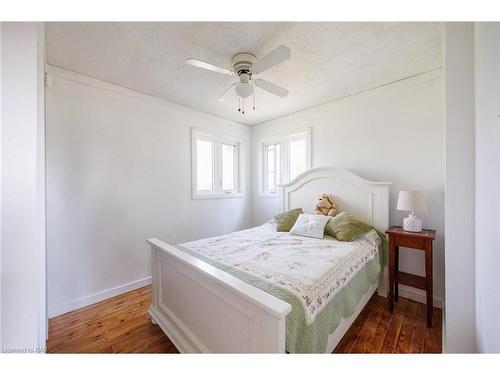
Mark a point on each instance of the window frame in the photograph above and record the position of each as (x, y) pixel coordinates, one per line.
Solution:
(284, 172)
(217, 140)
(236, 166)
(277, 166)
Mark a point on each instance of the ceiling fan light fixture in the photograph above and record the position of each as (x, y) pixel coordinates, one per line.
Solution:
(245, 67)
(243, 89)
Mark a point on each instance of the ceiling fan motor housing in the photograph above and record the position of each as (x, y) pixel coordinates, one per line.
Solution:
(243, 62)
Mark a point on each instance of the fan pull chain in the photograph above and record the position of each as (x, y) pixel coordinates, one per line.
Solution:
(243, 106)
(253, 100)
(239, 104)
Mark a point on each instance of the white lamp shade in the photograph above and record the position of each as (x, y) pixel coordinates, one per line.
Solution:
(244, 89)
(412, 201)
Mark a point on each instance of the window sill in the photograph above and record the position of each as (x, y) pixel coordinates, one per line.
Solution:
(217, 196)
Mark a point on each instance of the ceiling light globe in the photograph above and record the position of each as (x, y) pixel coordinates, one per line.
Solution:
(244, 90)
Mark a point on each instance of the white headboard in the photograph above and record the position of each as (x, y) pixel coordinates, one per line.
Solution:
(366, 200)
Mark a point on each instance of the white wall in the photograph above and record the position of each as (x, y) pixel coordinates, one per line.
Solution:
(487, 149)
(1, 186)
(119, 172)
(22, 305)
(459, 192)
(394, 133)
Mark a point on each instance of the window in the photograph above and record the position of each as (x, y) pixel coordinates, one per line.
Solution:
(228, 163)
(296, 157)
(205, 162)
(216, 165)
(272, 167)
(283, 159)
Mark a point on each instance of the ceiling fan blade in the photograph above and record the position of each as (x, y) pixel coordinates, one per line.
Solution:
(273, 58)
(204, 65)
(221, 97)
(271, 87)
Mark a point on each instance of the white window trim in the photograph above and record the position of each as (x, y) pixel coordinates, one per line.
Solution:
(218, 140)
(283, 141)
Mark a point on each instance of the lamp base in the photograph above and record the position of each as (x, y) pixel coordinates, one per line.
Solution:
(412, 223)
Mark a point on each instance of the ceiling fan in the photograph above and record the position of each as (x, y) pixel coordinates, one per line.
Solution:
(245, 67)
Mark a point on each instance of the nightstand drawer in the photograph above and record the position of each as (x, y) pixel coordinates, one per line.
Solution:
(411, 242)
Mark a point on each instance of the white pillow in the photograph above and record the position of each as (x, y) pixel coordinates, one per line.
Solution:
(310, 225)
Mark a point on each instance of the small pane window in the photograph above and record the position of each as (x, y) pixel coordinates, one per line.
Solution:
(273, 167)
(204, 162)
(228, 156)
(296, 157)
(215, 165)
(283, 159)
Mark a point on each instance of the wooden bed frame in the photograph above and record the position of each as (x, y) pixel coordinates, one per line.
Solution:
(203, 309)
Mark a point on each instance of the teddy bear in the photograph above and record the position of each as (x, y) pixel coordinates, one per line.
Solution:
(325, 205)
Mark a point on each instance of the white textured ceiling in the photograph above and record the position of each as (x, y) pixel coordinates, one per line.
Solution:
(329, 60)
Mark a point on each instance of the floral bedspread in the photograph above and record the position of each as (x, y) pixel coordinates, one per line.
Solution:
(312, 269)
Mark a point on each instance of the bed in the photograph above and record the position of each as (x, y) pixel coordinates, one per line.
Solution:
(259, 290)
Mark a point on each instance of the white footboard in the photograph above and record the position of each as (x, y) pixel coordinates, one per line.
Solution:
(203, 309)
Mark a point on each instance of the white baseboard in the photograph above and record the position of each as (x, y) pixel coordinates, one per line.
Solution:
(418, 295)
(65, 307)
(74, 304)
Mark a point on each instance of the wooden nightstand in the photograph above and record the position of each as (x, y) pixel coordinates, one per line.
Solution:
(414, 240)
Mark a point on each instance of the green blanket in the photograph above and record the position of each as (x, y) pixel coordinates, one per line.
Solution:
(313, 338)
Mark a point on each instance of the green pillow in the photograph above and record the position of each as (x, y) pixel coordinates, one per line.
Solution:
(286, 220)
(345, 227)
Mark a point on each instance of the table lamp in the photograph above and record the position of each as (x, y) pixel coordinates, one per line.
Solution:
(412, 201)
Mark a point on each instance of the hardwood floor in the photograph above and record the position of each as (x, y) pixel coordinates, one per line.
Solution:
(122, 325)
(117, 325)
(376, 330)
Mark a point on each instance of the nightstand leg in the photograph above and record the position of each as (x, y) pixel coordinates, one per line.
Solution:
(391, 274)
(428, 276)
(396, 268)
